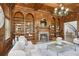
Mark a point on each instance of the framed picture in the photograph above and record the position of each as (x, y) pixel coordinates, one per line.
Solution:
(43, 22)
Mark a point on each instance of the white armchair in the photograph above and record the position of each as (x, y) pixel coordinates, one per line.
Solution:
(76, 40)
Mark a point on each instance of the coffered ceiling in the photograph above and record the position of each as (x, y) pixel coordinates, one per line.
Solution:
(39, 6)
(50, 6)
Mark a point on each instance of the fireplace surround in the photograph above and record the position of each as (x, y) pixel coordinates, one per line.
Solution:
(43, 36)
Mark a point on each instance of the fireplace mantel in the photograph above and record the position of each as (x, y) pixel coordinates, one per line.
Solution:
(43, 29)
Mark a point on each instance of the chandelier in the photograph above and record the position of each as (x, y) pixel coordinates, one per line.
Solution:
(61, 11)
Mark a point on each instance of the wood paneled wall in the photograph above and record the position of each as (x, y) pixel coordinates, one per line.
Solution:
(1, 40)
(5, 45)
(38, 16)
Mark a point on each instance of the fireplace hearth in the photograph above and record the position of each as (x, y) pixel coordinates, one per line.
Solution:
(43, 36)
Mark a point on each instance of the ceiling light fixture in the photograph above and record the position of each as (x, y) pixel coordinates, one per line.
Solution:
(61, 11)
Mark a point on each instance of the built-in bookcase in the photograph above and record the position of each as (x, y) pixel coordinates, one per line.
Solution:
(24, 25)
(54, 28)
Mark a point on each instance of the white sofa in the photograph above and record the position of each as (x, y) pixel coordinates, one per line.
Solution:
(17, 50)
(26, 48)
(18, 47)
(23, 48)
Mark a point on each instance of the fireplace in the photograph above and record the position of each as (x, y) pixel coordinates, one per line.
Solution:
(43, 36)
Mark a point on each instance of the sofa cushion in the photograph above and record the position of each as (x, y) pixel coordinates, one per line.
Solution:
(35, 52)
(18, 46)
(23, 40)
(17, 53)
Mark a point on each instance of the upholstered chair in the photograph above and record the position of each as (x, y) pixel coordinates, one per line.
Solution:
(76, 40)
